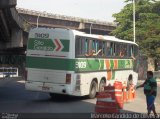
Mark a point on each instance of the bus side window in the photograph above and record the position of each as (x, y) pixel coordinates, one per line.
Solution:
(97, 44)
(113, 49)
(93, 45)
(132, 50)
(118, 49)
(100, 47)
(123, 50)
(86, 45)
(108, 48)
(135, 50)
(128, 50)
(79, 46)
(103, 48)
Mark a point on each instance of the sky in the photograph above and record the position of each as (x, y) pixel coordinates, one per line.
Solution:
(91, 9)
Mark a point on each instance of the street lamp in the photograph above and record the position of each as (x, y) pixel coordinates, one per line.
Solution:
(134, 27)
(90, 27)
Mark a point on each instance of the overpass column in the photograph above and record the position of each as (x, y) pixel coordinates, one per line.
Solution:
(16, 39)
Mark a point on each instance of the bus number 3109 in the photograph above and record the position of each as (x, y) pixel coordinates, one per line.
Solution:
(81, 65)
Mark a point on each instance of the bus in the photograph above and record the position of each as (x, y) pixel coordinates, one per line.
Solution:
(60, 61)
(8, 72)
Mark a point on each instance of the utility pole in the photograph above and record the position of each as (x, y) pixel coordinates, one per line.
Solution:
(134, 19)
(91, 28)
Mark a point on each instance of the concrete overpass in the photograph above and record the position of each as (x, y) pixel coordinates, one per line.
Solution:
(13, 35)
(13, 28)
(45, 19)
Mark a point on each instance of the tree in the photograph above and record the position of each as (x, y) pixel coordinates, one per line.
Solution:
(147, 25)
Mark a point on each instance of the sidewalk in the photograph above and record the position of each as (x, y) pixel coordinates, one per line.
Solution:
(139, 104)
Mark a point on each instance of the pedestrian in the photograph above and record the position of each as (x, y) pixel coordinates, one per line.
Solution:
(150, 91)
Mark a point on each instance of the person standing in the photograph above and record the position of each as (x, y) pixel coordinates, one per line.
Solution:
(150, 91)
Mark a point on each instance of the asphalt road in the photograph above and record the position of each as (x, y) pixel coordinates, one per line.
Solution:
(15, 99)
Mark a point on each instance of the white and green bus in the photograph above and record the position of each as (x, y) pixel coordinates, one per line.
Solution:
(57, 63)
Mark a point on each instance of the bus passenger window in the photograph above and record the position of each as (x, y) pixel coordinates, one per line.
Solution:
(134, 52)
(79, 46)
(93, 45)
(100, 48)
(113, 49)
(118, 49)
(108, 49)
(86, 45)
(123, 50)
(97, 43)
(131, 50)
(103, 48)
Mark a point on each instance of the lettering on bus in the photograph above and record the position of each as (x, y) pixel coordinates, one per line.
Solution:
(40, 45)
(81, 65)
(41, 35)
(128, 64)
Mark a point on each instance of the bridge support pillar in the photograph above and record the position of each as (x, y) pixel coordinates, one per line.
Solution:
(16, 38)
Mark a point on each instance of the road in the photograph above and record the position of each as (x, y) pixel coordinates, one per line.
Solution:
(15, 99)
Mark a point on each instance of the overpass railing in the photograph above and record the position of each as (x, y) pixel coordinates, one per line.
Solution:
(57, 16)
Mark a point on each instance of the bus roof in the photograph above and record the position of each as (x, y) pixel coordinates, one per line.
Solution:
(104, 37)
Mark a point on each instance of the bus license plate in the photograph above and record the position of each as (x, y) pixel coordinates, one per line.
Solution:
(45, 88)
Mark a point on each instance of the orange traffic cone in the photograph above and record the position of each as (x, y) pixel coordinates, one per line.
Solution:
(131, 93)
(125, 94)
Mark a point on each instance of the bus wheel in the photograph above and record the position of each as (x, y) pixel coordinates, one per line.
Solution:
(101, 85)
(92, 92)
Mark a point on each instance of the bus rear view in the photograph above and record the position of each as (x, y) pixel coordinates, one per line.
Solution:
(48, 65)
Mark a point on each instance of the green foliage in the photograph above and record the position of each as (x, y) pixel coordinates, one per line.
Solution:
(147, 25)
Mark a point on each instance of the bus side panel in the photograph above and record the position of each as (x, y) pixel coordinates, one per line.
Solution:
(87, 78)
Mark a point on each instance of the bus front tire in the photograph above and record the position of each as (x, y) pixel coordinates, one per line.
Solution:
(92, 92)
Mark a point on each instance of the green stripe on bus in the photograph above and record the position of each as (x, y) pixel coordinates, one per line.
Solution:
(50, 63)
(77, 65)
